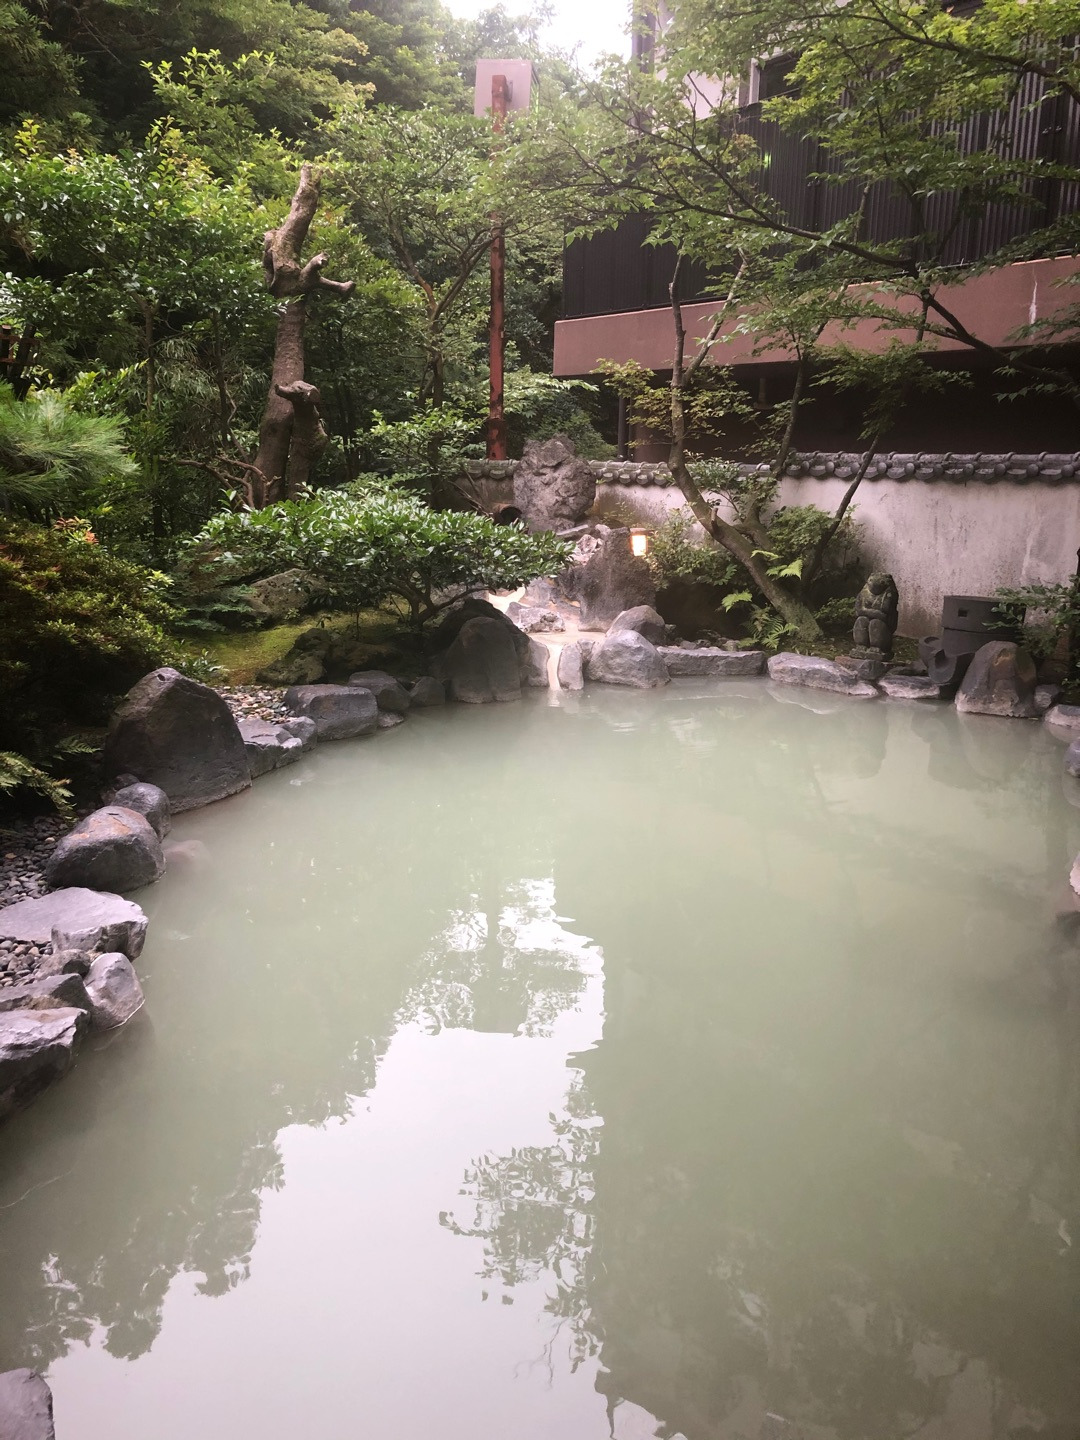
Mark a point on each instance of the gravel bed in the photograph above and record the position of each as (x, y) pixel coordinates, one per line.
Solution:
(255, 702)
(24, 848)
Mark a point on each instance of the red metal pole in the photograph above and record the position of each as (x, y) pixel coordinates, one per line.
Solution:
(496, 435)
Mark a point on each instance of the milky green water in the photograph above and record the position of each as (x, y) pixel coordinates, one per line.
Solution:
(697, 1063)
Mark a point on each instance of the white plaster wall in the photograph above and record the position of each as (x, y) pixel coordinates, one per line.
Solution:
(936, 539)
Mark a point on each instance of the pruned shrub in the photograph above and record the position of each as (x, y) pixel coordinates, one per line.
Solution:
(79, 628)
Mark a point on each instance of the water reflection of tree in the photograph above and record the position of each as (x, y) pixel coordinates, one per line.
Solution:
(534, 1211)
(514, 973)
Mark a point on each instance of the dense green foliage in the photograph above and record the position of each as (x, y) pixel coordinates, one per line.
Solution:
(53, 457)
(381, 545)
(80, 627)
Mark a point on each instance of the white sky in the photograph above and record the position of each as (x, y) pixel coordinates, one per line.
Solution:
(598, 26)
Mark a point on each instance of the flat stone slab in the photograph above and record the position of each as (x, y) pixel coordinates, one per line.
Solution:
(269, 746)
(910, 687)
(389, 693)
(818, 674)
(710, 660)
(339, 711)
(1063, 720)
(36, 1048)
(26, 1406)
(49, 992)
(101, 920)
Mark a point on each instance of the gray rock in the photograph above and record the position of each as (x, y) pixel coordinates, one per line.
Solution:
(147, 800)
(810, 670)
(571, 667)
(1072, 765)
(533, 619)
(534, 666)
(1000, 681)
(298, 667)
(1063, 721)
(339, 711)
(65, 958)
(428, 691)
(389, 718)
(627, 658)
(864, 667)
(474, 608)
(26, 1407)
(608, 578)
(48, 992)
(1074, 876)
(389, 693)
(268, 746)
(181, 736)
(113, 990)
(910, 687)
(1046, 696)
(112, 849)
(711, 661)
(481, 666)
(645, 620)
(302, 729)
(100, 921)
(553, 486)
(36, 1048)
(281, 595)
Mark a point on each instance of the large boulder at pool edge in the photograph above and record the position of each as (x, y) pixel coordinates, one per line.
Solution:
(644, 620)
(339, 711)
(114, 849)
(1000, 681)
(482, 665)
(180, 736)
(624, 657)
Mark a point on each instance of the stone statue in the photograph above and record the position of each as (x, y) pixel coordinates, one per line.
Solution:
(553, 487)
(876, 614)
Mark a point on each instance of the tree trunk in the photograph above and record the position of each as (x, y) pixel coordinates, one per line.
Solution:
(290, 429)
(738, 545)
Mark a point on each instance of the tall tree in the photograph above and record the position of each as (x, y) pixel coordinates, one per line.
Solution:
(673, 144)
(292, 435)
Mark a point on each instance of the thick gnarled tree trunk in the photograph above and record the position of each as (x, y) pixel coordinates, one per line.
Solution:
(291, 435)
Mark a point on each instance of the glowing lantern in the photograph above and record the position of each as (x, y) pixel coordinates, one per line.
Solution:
(639, 542)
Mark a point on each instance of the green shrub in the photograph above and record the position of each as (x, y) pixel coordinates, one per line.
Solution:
(79, 628)
(384, 545)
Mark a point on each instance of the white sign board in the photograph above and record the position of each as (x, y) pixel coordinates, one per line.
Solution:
(519, 75)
